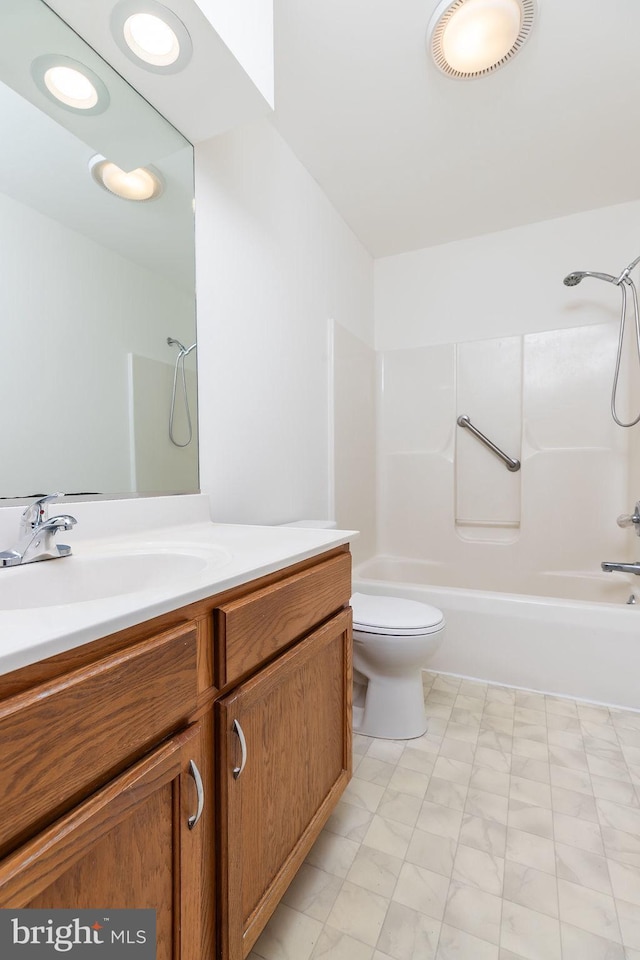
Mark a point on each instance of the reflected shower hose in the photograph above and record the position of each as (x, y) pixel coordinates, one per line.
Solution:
(182, 353)
(623, 281)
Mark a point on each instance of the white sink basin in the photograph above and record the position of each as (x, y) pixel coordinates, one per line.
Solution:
(96, 576)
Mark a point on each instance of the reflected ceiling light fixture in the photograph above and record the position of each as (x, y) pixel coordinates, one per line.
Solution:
(142, 184)
(70, 84)
(151, 35)
(472, 38)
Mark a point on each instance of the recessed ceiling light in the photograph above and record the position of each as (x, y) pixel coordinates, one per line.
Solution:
(144, 183)
(472, 38)
(151, 35)
(70, 84)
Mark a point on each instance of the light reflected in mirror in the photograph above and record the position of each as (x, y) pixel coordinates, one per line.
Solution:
(93, 286)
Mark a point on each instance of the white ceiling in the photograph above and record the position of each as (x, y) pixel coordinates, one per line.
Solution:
(411, 158)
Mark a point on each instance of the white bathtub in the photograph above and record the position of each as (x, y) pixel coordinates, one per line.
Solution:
(577, 638)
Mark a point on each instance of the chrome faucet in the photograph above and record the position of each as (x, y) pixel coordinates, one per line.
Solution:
(621, 567)
(36, 535)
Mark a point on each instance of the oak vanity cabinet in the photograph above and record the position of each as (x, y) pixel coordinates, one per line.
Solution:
(283, 736)
(138, 838)
(186, 764)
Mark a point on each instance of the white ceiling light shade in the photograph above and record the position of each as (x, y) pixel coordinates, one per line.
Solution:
(151, 35)
(142, 184)
(70, 84)
(472, 38)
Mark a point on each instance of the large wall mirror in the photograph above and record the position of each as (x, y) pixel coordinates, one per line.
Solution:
(93, 286)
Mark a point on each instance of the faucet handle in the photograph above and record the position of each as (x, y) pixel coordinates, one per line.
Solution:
(36, 512)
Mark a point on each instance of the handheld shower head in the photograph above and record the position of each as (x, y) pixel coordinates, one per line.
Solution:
(573, 279)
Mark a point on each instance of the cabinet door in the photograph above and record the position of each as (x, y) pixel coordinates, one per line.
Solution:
(285, 750)
(130, 845)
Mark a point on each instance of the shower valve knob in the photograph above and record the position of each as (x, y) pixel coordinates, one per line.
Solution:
(633, 519)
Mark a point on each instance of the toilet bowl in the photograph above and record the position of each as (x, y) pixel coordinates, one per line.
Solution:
(393, 639)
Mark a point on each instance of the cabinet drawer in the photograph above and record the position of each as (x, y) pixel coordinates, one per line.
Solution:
(63, 739)
(252, 629)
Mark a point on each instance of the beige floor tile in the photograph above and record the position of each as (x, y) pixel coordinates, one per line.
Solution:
(484, 835)
(361, 793)
(623, 793)
(474, 911)
(588, 910)
(574, 804)
(629, 917)
(457, 945)
(375, 871)
(358, 913)
(375, 771)
(408, 781)
(446, 794)
(491, 781)
(457, 750)
(531, 888)
(399, 806)
(333, 853)
(289, 935)
(569, 779)
(530, 769)
(441, 820)
(531, 819)
(431, 851)
(454, 770)
(531, 791)
(388, 836)
(580, 866)
(349, 821)
(334, 945)
(388, 750)
(422, 890)
(489, 759)
(579, 945)
(621, 846)
(625, 882)
(529, 934)
(495, 740)
(532, 749)
(312, 892)
(408, 934)
(417, 760)
(476, 868)
(487, 806)
(578, 833)
(530, 850)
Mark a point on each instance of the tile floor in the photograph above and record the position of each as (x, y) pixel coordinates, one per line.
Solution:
(510, 831)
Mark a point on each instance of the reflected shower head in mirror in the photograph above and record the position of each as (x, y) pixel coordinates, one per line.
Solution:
(182, 353)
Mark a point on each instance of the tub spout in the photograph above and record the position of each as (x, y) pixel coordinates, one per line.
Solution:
(609, 567)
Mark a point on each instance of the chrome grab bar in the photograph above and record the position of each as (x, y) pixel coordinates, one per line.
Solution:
(510, 464)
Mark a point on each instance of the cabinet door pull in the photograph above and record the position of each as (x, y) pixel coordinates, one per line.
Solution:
(237, 729)
(195, 773)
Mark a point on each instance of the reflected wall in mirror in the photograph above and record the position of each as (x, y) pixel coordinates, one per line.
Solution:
(93, 285)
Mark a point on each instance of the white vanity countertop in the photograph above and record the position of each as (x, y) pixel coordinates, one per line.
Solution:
(211, 558)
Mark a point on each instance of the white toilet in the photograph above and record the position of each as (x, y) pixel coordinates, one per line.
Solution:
(393, 639)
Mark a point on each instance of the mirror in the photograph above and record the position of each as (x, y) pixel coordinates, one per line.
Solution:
(93, 286)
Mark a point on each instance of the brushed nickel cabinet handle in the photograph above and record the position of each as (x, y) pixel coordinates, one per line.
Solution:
(195, 773)
(237, 729)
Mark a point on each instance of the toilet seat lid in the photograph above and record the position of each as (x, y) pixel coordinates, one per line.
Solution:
(393, 615)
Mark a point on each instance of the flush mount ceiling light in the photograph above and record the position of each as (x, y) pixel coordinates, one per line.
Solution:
(142, 184)
(472, 38)
(70, 84)
(151, 35)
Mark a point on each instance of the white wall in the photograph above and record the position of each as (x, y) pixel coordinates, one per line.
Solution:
(505, 283)
(274, 264)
